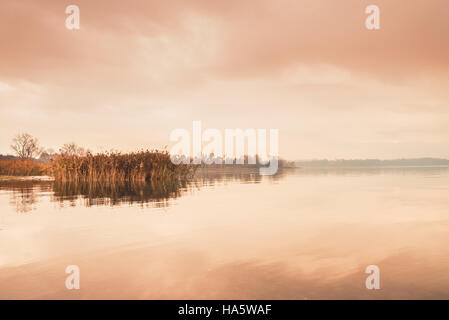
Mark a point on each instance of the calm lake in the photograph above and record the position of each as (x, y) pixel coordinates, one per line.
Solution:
(302, 234)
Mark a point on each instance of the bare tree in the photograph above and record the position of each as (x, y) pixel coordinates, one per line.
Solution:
(72, 149)
(26, 146)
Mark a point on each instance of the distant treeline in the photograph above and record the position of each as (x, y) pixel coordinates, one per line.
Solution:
(7, 157)
(417, 162)
(43, 158)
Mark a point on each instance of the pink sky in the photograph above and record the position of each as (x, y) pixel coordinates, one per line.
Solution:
(138, 69)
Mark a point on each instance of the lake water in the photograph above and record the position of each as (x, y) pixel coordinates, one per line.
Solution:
(303, 234)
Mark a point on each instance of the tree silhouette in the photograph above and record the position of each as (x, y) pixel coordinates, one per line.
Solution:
(26, 146)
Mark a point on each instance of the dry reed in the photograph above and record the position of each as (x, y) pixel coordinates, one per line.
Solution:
(114, 166)
(22, 167)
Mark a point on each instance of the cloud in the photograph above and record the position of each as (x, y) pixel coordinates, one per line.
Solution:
(253, 37)
(301, 66)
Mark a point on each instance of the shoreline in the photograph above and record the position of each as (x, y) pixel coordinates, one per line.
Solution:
(26, 178)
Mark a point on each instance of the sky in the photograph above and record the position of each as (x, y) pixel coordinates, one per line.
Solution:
(137, 70)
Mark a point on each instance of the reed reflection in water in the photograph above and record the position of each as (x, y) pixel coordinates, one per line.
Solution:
(24, 194)
(117, 193)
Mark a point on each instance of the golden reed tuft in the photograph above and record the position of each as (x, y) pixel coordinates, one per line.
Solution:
(114, 166)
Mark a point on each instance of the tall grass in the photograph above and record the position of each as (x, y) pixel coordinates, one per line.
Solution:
(19, 167)
(115, 166)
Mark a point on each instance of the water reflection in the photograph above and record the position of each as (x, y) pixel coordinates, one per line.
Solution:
(302, 234)
(96, 193)
(212, 176)
(366, 171)
(24, 194)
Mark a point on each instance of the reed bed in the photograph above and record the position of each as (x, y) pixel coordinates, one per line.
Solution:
(114, 166)
(22, 167)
